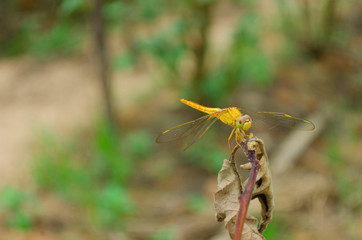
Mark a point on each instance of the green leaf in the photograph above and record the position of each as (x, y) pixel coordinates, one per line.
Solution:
(68, 7)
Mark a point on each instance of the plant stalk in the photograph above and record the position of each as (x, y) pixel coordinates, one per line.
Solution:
(245, 197)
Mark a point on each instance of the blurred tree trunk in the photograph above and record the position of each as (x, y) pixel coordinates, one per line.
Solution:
(307, 21)
(329, 20)
(6, 29)
(103, 62)
(199, 45)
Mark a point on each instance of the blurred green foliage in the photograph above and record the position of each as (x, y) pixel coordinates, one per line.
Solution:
(121, 13)
(341, 153)
(68, 8)
(164, 234)
(174, 35)
(184, 38)
(207, 153)
(278, 229)
(167, 47)
(54, 168)
(43, 28)
(62, 38)
(348, 181)
(197, 202)
(92, 171)
(245, 62)
(312, 28)
(123, 61)
(111, 203)
(18, 207)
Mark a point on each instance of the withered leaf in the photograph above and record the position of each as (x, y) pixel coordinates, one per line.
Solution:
(227, 204)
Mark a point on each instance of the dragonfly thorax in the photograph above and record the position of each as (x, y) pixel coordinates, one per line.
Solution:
(243, 122)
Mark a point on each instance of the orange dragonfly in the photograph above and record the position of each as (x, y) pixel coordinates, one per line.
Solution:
(241, 120)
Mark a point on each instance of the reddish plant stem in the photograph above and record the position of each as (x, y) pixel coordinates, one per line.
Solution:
(245, 197)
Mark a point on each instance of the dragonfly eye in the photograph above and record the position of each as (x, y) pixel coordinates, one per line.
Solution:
(243, 122)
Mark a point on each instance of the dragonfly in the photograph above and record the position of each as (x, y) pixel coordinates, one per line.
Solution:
(241, 120)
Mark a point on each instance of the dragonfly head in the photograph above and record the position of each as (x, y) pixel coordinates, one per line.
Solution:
(243, 122)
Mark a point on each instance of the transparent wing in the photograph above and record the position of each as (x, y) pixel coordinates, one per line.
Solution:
(274, 121)
(193, 130)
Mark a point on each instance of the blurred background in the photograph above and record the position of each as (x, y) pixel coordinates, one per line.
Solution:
(87, 86)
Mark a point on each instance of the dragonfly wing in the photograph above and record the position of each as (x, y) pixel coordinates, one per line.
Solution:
(275, 121)
(202, 128)
(194, 129)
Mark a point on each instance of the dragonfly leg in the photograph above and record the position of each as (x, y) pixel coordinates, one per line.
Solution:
(238, 138)
(241, 135)
(246, 135)
(251, 136)
(232, 132)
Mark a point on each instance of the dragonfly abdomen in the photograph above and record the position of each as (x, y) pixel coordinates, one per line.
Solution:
(229, 117)
(199, 107)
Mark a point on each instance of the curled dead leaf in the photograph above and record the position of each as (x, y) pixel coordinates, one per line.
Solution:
(230, 188)
(227, 204)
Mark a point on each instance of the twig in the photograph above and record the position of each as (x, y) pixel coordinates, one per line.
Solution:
(245, 197)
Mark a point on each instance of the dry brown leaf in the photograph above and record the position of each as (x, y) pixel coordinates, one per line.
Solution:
(227, 204)
(230, 188)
